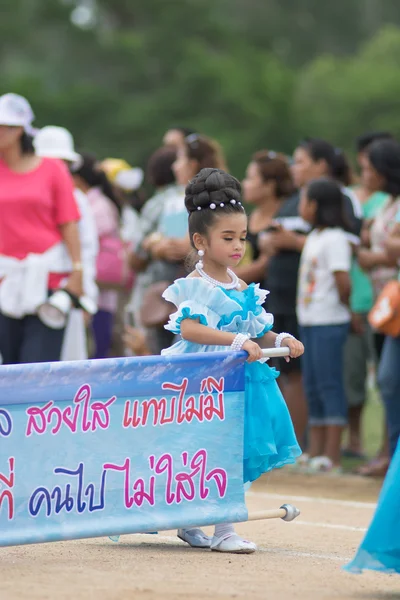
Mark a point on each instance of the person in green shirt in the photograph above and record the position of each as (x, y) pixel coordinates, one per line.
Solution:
(359, 347)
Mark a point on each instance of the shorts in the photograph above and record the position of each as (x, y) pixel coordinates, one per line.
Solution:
(286, 324)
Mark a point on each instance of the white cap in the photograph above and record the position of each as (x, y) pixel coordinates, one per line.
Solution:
(15, 110)
(129, 180)
(55, 142)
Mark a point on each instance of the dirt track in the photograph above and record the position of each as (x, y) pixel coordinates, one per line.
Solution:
(300, 560)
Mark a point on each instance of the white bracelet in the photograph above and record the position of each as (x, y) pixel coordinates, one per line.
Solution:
(239, 341)
(280, 337)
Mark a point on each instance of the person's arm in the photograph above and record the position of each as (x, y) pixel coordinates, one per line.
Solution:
(171, 249)
(135, 340)
(193, 331)
(140, 257)
(338, 253)
(70, 235)
(67, 216)
(283, 239)
(296, 348)
(366, 233)
(370, 259)
(392, 244)
(138, 261)
(343, 284)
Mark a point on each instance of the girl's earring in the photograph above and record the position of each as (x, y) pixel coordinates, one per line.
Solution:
(201, 254)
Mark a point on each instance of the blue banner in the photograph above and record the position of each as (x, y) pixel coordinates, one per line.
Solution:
(135, 445)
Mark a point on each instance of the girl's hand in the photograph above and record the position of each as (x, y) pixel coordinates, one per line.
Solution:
(366, 259)
(75, 283)
(150, 240)
(135, 340)
(253, 350)
(296, 348)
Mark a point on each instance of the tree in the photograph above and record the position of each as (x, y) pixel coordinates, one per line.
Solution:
(338, 98)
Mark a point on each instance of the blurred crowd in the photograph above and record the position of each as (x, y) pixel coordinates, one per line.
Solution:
(88, 245)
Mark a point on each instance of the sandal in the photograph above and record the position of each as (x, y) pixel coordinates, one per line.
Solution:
(232, 544)
(376, 468)
(196, 538)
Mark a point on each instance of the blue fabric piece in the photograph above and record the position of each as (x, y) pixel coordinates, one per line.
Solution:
(389, 387)
(269, 438)
(380, 549)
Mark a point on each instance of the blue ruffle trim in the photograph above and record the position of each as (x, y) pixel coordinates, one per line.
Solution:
(176, 319)
(227, 310)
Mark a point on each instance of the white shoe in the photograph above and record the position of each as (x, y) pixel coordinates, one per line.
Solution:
(320, 464)
(232, 543)
(196, 538)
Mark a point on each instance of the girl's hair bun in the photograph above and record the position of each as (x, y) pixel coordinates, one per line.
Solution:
(211, 186)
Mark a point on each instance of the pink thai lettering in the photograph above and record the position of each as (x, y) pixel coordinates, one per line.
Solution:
(182, 485)
(37, 420)
(179, 408)
(165, 465)
(212, 385)
(8, 493)
(83, 415)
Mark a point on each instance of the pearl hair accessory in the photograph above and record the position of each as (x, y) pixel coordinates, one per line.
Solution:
(213, 206)
(234, 284)
(279, 338)
(201, 254)
(239, 342)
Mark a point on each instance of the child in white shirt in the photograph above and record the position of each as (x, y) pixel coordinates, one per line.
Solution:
(324, 317)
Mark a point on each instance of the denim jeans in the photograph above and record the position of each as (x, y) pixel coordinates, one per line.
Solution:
(389, 386)
(323, 373)
(28, 340)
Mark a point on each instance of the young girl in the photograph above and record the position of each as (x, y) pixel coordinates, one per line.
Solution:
(218, 311)
(324, 317)
(106, 208)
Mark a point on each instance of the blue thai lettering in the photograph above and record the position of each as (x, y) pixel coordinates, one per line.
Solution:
(5, 423)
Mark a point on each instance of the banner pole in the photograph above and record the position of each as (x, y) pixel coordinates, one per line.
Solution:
(275, 352)
(287, 512)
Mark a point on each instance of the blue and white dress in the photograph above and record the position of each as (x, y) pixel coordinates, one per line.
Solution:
(269, 438)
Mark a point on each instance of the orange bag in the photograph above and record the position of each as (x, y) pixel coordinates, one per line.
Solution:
(384, 317)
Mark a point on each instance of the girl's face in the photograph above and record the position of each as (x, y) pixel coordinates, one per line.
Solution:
(305, 169)
(225, 242)
(184, 168)
(307, 208)
(255, 189)
(370, 178)
(9, 136)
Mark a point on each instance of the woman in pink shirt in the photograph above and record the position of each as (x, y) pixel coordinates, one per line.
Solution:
(39, 239)
(106, 209)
